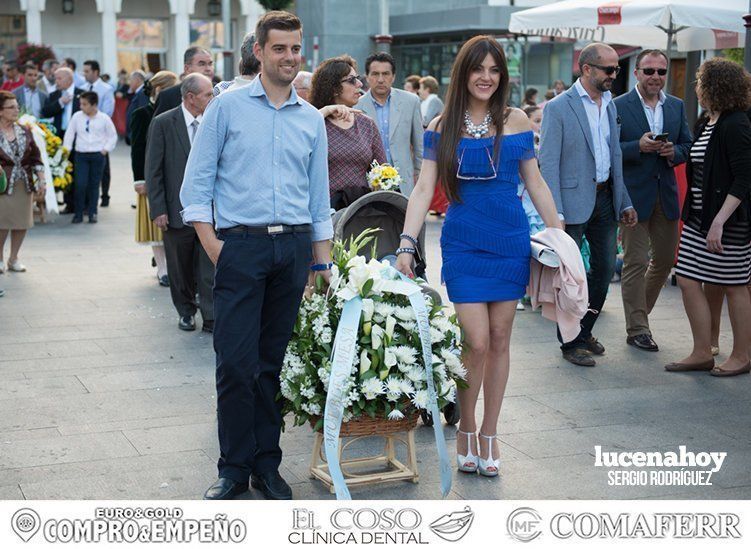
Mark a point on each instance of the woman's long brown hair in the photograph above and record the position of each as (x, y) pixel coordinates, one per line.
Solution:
(471, 55)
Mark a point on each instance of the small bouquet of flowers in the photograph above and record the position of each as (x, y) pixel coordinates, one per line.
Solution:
(55, 156)
(388, 375)
(383, 177)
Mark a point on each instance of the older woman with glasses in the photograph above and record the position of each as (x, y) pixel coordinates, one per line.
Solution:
(354, 141)
(21, 164)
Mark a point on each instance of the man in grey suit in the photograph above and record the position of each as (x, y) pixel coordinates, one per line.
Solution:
(654, 138)
(397, 115)
(30, 98)
(580, 158)
(171, 135)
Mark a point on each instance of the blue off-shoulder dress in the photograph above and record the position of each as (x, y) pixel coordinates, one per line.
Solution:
(485, 238)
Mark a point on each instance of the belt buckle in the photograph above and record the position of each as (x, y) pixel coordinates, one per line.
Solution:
(275, 229)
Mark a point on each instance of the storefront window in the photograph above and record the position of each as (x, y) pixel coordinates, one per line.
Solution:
(12, 33)
(141, 44)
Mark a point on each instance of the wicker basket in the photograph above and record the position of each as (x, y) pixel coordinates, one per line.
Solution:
(367, 426)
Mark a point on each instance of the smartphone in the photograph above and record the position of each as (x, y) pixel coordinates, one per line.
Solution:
(660, 137)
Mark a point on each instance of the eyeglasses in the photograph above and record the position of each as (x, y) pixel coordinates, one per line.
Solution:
(476, 177)
(651, 71)
(352, 80)
(606, 70)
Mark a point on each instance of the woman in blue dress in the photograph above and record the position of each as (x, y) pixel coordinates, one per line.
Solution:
(477, 149)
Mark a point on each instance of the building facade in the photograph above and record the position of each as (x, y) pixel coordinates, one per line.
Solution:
(125, 34)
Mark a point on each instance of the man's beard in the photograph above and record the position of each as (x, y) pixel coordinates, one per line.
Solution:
(605, 85)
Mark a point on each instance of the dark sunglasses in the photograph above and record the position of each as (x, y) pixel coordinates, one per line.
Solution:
(606, 70)
(351, 80)
(650, 71)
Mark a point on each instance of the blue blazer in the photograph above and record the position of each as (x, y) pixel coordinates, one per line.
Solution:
(567, 160)
(648, 175)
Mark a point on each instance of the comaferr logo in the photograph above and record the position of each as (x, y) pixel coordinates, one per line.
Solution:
(609, 15)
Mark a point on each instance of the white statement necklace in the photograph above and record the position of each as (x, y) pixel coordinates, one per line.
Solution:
(477, 130)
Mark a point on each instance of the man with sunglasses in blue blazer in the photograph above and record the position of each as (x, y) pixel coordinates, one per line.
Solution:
(654, 138)
(580, 159)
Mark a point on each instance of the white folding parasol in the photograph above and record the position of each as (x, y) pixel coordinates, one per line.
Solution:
(695, 24)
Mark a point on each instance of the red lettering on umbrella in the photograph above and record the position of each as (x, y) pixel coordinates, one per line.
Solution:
(725, 39)
(609, 15)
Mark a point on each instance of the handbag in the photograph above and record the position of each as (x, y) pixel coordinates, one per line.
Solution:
(3, 182)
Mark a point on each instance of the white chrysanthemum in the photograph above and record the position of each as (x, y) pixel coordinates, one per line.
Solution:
(420, 399)
(371, 388)
(404, 313)
(326, 335)
(286, 390)
(383, 309)
(352, 397)
(416, 374)
(407, 387)
(393, 385)
(404, 354)
(393, 397)
(396, 415)
(436, 335)
(403, 368)
(408, 325)
(441, 323)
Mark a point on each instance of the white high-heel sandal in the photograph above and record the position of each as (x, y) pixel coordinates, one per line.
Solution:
(468, 463)
(489, 467)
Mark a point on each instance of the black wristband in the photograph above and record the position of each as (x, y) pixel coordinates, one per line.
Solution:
(405, 236)
(410, 251)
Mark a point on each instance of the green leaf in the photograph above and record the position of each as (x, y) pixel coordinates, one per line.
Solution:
(367, 287)
(319, 283)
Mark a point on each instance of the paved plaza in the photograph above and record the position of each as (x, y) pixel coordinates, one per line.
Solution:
(102, 397)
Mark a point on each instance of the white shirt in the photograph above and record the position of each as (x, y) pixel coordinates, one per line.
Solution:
(189, 118)
(599, 126)
(654, 116)
(105, 94)
(67, 109)
(101, 134)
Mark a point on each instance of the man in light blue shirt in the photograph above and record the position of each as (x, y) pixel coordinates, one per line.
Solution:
(256, 191)
(30, 97)
(581, 161)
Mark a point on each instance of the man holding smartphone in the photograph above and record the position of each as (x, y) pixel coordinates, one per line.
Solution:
(654, 138)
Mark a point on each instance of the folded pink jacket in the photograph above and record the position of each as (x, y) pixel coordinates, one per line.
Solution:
(562, 291)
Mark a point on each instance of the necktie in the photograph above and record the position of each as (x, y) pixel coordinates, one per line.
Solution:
(91, 87)
(193, 130)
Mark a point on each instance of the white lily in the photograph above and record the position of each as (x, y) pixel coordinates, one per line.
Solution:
(364, 362)
(376, 336)
(367, 309)
(390, 325)
(389, 358)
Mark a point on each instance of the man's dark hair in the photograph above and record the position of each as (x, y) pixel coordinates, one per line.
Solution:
(249, 65)
(91, 97)
(70, 62)
(94, 65)
(382, 57)
(645, 53)
(276, 20)
(191, 52)
(23, 67)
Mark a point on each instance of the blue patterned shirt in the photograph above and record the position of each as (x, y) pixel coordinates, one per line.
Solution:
(382, 119)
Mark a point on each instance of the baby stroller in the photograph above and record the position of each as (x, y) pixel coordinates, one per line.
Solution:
(387, 210)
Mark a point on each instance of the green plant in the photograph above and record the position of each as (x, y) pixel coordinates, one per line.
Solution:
(734, 54)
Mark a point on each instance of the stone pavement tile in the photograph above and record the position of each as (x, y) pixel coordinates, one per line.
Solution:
(32, 388)
(58, 320)
(15, 306)
(400, 490)
(7, 437)
(133, 465)
(174, 482)
(147, 423)
(28, 453)
(11, 492)
(47, 349)
(107, 407)
(183, 340)
(151, 377)
(175, 438)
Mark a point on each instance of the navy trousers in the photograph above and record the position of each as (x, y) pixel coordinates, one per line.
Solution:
(88, 170)
(258, 287)
(601, 231)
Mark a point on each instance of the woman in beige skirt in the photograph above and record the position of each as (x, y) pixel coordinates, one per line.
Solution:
(146, 231)
(20, 163)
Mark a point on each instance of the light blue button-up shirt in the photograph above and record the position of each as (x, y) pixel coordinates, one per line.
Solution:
(654, 116)
(259, 165)
(382, 119)
(105, 95)
(32, 101)
(599, 126)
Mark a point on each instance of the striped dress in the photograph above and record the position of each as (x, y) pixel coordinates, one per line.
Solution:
(733, 266)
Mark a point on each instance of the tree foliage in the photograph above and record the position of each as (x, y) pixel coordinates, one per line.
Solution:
(36, 53)
(275, 4)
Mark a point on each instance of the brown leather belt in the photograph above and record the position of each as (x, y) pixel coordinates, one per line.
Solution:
(603, 186)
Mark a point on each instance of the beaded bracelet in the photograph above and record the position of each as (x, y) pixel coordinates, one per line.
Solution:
(405, 236)
(410, 251)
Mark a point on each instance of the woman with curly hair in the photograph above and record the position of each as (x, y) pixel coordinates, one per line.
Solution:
(715, 246)
(354, 141)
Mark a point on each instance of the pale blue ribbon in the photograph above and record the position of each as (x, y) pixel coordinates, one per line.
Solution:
(345, 345)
